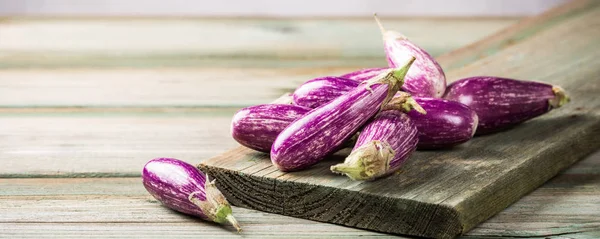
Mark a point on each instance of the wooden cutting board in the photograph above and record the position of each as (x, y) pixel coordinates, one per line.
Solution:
(445, 193)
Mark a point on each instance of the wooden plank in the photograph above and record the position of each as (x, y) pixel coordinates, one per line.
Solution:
(99, 144)
(524, 29)
(121, 207)
(147, 87)
(444, 195)
(147, 42)
(117, 207)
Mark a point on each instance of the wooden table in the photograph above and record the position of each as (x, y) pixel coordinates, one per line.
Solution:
(85, 102)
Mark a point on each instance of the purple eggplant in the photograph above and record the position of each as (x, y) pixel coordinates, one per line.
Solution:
(256, 127)
(426, 77)
(501, 103)
(323, 130)
(364, 74)
(383, 145)
(446, 124)
(319, 91)
(183, 188)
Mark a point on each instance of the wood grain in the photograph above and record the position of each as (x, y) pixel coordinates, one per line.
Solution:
(147, 87)
(139, 42)
(503, 39)
(117, 207)
(88, 144)
(443, 195)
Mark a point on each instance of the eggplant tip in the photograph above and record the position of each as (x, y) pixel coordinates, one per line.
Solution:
(381, 28)
(560, 97)
(234, 222)
(367, 162)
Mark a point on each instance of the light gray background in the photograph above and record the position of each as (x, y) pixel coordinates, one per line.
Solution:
(277, 8)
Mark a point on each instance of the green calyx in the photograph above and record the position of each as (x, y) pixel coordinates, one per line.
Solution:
(215, 206)
(560, 97)
(224, 214)
(394, 78)
(367, 162)
(404, 102)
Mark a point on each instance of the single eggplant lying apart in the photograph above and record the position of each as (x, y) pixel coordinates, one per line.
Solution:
(256, 127)
(364, 74)
(323, 130)
(446, 124)
(319, 91)
(501, 103)
(425, 78)
(183, 188)
(383, 145)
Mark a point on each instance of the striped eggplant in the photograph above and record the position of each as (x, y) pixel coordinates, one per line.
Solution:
(501, 103)
(383, 145)
(426, 77)
(256, 127)
(364, 74)
(446, 124)
(183, 188)
(319, 91)
(323, 130)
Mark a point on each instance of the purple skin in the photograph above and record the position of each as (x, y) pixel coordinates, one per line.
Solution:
(446, 124)
(426, 77)
(364, 74)
(501, 103)
(183, 188)
(323, 130)
(383, 145)
(256, 127)
(319, 91)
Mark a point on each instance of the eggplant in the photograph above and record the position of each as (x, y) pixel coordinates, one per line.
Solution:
(446, 124)
(364, 74)
(323, 130)
(382, 147)
(256, 127)
(184, 188)
(319, 91)
(501, 103)
(426, 77)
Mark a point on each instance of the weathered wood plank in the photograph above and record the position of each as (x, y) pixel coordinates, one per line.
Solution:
(96, 144)
(111, 207)
(139, 42)
(148, 88)
(121, 207)
(524, 29)
(442, 195)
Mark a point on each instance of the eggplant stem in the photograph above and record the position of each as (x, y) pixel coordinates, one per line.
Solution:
(560, 97)
(343, 168)
(381, 28)
(404, 102)
(234, 222)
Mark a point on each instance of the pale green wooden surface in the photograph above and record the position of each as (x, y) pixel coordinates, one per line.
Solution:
(100, 97)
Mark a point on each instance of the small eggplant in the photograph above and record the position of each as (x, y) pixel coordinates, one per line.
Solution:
(383, 145)
(426, 77)
(184, 188)
(323, 130)
(319, 91)
(256, 127)
(501, 103)
(446, 124)
(364, 74)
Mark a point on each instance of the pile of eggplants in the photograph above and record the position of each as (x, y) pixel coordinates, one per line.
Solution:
(387, 113)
